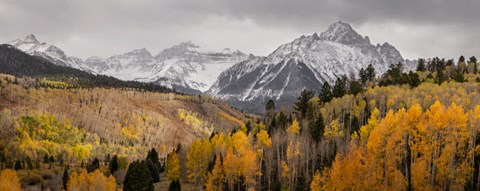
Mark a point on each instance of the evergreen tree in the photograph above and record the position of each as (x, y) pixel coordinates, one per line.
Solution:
(175, 186)
(153, 156)
(113, 165)
(138, 178)
(45, 159)
(325, 94)
(421, 65)
(317, 127)
(473, 60)
(301, 105)
(65, 178)
(371, 72)
(94, 165)
(270, 107)
(414, 79)
(440, 78)
(458, 75)
(461, 59)
(339, 89)
(355, 87)
(154, 173)
(363, 76)
(18, 165)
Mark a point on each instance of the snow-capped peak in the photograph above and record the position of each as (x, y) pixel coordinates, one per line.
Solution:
(306, 62)
(188, 44)
(143, 52)
(31, 39)
(343, 33)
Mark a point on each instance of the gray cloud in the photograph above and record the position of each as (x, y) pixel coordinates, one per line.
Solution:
(418, 28)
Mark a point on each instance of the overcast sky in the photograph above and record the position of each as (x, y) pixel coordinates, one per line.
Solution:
(418, 28)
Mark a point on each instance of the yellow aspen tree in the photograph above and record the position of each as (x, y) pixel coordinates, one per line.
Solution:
(95, 181)
(216, 179)
(173, 167)
(294, 128)
(9, 180)
(232, 167)
(315, 185)
(198, 158)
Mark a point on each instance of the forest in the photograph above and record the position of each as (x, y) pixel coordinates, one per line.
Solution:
(402, 130)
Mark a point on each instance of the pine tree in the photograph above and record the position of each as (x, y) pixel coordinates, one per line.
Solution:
(113, 165)
(458, 75)
(153, 156)
(461, 59)
(325, 94)
(153, 169)
(94, 165)
(371, 72)
(175, 186)
(18, 165)
(301, 106)
(339, 89)
(65, 178)
(421, 65)
(138, 178)
(440, 78)
(270, 107)
(355, 87)
(317, 127)
(363, 76)
(414, 79)
(473, 60)
(45, 159)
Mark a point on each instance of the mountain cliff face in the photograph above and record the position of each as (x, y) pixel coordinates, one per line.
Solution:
(185, 67)
(307, 62)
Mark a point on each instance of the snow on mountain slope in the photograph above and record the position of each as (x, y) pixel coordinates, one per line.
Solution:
(32, 46)
(185, 67)
(307, 62)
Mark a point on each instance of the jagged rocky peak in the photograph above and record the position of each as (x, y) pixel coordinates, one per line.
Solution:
(188, 44)
(343, 33)
(31, 39)
(143, 52)
(178, 50)
(389, 53)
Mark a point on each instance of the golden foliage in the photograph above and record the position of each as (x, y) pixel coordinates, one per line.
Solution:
(294, 128)
(95, 181)
(315, 185)
(231, 118)
(198, 158)
(173, 167)
(9, 181)
(436, 142)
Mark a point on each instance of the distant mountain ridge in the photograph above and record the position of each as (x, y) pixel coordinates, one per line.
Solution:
(246, 81)
(18, 63)
(185, 67)
(306, 62)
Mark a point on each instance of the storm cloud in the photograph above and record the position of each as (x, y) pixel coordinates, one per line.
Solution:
(418, 28)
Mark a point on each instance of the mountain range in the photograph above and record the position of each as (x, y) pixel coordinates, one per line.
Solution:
(307, 62)
(185, 67)
(244, 80)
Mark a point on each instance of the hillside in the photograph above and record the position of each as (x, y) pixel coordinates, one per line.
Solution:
(154, 120)
(15, 62)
